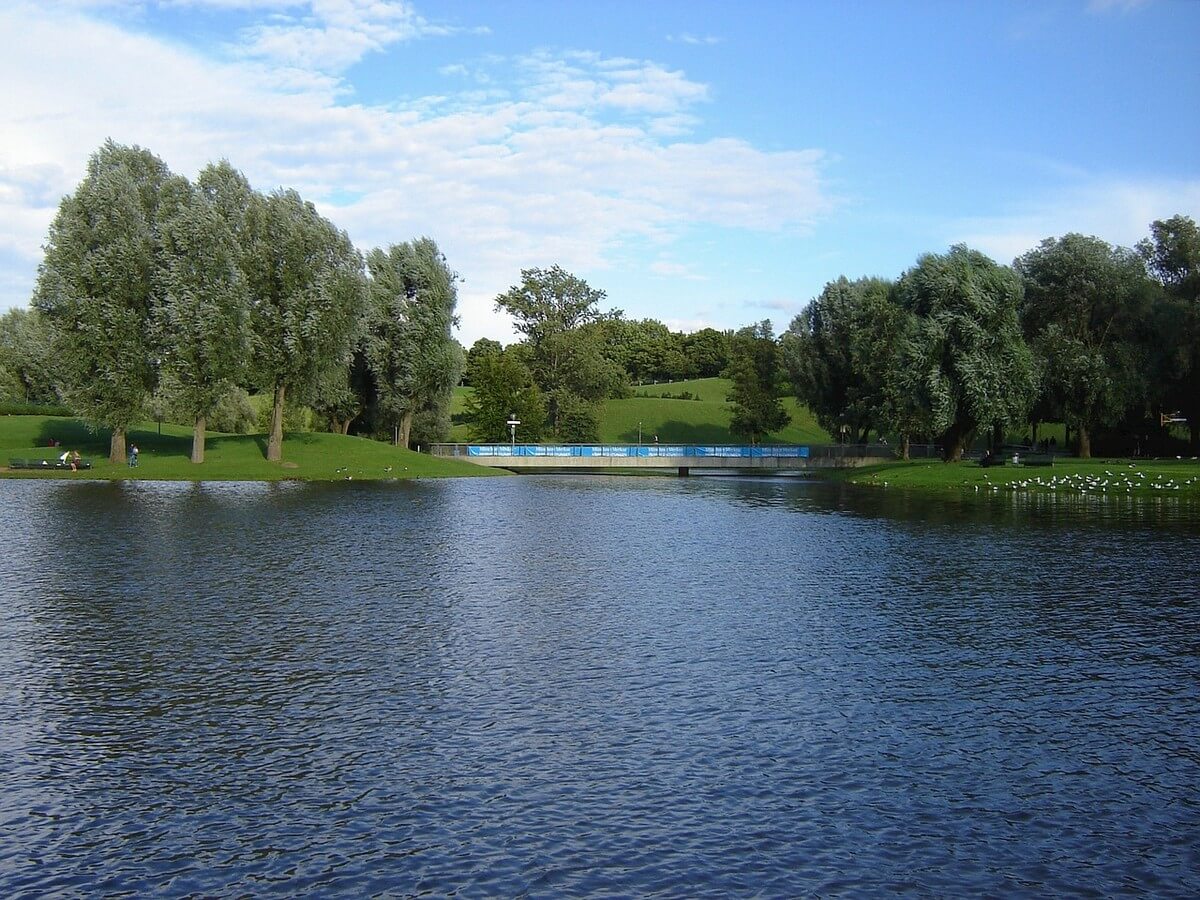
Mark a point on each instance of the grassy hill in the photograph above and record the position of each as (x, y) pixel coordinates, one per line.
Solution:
(702, 421)
(228, 457)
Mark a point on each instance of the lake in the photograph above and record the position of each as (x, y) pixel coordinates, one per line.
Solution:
(553, 686)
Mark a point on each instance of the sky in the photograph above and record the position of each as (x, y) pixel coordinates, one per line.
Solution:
(703, 163)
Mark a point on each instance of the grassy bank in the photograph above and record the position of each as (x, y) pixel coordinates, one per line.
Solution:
(675, 421)
(228, 457)
(1180, 478)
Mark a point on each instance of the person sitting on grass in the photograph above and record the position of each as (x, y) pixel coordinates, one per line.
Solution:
(75, 457)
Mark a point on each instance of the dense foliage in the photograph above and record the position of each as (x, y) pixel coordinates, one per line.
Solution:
(157, 296)
(1102, 338)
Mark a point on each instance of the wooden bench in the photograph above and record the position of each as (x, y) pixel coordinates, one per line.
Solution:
(1036, 459)
(48, 464)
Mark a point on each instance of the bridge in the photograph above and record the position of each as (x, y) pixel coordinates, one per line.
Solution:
(683, 457)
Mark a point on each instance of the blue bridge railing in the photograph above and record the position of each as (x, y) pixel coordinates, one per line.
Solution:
(630, 451)
(679, 451)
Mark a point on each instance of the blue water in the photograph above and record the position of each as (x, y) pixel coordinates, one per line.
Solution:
(595, 686)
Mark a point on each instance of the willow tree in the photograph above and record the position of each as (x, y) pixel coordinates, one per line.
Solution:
(839, 352)
(95, 288)
(412, 355)
(969, 354)
(306, 298)
(1084, 304)
(202, 313)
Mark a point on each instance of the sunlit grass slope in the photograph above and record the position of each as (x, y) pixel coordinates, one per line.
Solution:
(1115, 477)
(228, 457)
(703, 421)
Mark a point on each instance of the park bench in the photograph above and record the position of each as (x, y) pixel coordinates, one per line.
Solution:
(1036, 459)
(47, 464)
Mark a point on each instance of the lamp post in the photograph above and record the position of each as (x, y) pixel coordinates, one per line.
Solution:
(639, 434)
(512, 424)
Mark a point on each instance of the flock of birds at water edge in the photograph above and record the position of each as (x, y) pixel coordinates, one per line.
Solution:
(1126, 481)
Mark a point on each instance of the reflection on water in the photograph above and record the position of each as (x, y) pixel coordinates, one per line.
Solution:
(586, 685)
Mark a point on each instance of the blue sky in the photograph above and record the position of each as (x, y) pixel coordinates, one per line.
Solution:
(705, 163)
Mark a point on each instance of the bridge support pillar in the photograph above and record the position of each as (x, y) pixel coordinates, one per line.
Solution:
(683, 472)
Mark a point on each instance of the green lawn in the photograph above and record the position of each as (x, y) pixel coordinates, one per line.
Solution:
(703, 421)
(308, 456)
(1118, 477)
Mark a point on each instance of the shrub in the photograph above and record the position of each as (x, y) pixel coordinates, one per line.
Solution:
(8, 408)
(235, 414)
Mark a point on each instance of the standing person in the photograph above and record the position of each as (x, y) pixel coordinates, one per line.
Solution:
(133, 455)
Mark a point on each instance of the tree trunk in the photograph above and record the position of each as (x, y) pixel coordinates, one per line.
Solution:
(275, 441)
(1085, 442)
(904, 446)
(997, 437)
(405, 428)
(1033, 430)
(953, 442)
(116, 447)
(198, 440)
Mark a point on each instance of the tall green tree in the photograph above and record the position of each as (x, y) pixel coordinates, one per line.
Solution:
(839, 351)
(1084, 304)
(553, 308)
(907, 392)
(975, 366)
(202, 317)
(95, 288)
(502, 387)
(755, 372)
(307, 294)
(1172, 253)
(482, 347)
(25, 358)
(414, 358)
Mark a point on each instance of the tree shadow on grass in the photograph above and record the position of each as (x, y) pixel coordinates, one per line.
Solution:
(75, 435)
(259, 440)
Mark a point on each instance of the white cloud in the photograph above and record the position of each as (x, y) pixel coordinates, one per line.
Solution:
(335, 34)
(566, 165)
(695, 40)
(1115, 210)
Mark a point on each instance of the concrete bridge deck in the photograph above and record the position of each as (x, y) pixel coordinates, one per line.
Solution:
(682, 457)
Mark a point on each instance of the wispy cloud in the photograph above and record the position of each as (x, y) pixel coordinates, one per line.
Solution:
(669, 269)
(695, 40)
(331, 35)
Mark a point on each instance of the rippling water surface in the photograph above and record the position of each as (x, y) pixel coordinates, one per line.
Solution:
(565, 686)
